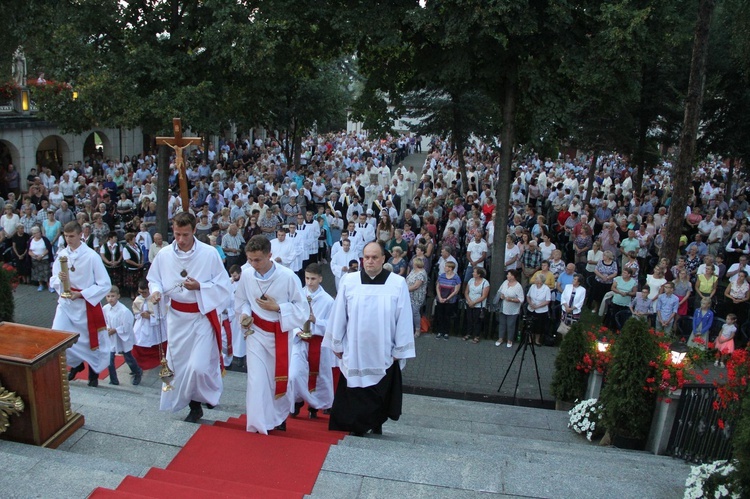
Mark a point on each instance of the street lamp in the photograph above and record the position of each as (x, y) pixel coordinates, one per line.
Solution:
(602, 345)
(678, 350)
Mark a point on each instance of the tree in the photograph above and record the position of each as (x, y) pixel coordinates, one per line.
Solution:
(682, 172)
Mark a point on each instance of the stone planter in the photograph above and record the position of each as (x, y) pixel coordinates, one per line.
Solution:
(594, 387)
(661, 423)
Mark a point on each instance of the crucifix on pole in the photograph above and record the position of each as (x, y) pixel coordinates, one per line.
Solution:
(179, 144)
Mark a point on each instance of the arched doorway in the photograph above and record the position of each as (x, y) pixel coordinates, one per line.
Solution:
(96, 147)
(8, 154)
(51, 153)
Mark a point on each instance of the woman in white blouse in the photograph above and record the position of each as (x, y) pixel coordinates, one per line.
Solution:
(538, 299)
(511, 295)
(573, 297)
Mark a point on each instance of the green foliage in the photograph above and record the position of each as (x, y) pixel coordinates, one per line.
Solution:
(569, 383)
(7, 305)
(628, 407)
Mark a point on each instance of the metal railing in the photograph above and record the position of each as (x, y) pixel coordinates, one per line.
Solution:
(696, 436)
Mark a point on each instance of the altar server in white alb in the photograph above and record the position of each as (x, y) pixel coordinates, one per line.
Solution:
(82, 312)
(120, 328)
(150, 328)
(370, 329)
(310, 370)
(190, 277)
(340, 260)
(239, 348)
(285, 251)
(270, 294)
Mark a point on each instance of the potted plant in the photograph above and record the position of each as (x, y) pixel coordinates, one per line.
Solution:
(627, 404)
(568, 382)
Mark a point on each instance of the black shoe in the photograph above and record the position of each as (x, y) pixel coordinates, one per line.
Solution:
(93, 378)
(378, 430)
(113, 381)
(356, 434)
(75, 370)
(137, 378)
(196, 412)
(312, 413)
(281, 427)
(209, 406)
(297, 407)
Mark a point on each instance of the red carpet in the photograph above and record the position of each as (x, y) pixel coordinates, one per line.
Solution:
(84, 375)
(224, 460)
(148, 357)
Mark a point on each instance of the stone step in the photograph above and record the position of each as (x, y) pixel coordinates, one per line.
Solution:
(31, 471)
(532, 474)
(481, 447)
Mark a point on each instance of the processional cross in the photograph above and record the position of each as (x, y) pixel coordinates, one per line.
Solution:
(179, 144)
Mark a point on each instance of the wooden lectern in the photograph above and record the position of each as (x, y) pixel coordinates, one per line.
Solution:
(32, 364)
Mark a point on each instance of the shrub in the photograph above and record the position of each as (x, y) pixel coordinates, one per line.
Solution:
(569, 383)
(7, 305)
(627, 405)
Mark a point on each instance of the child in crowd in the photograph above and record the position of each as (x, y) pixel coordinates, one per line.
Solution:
(119, 322)
(725, 340)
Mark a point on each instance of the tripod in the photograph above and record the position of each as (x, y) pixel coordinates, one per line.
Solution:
(526, 341)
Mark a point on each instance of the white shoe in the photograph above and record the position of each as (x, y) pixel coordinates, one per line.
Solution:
(716, 363)
(721, 364)
(498, 343)
(508, 345)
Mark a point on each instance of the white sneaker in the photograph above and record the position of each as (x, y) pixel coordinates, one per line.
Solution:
(498, 343)
(508, 345)
(721, 364)
(716, 363)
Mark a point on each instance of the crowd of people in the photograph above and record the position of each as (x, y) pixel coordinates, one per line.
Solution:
(434, 229)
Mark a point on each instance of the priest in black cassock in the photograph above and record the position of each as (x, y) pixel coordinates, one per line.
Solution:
(370, 330)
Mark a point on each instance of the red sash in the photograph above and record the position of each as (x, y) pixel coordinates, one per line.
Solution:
(313, 360)
(94, 320)
(228, 330)
(213, 318)
(282, 352)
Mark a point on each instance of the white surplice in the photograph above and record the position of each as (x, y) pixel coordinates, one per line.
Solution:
(152, 330)
(299, 367)
(91, 277)
(370, 324)
(120, 319)
(193, 353)
(264, 411)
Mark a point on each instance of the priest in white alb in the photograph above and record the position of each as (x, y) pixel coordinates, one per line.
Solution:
(270, 294)
(190, 277)
(370, 329)
(82, 312)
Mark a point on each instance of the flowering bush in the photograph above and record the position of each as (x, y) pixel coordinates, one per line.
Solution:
(593, 359)
(12, 275)
(584, 418)
(8, 91)
(667, 377)
(715, 480)
(733, 387)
